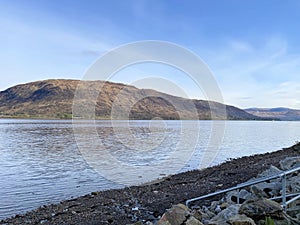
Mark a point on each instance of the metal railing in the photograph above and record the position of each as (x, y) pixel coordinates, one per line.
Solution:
(284, 195)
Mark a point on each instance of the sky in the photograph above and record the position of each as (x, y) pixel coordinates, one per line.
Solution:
(252, 47)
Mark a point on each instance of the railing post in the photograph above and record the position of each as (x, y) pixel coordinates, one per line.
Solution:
(283, 182)
(238, 196)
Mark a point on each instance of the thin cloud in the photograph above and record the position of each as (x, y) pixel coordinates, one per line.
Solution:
(241, 47)
(261, 72)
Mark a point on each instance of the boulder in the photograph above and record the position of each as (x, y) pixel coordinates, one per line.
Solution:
(224, 215)
(261, 208)
(293, 184)
(243, 195)
(273, 170)
(241, 220)
(215, 206)
(259, 193)
(198, 214)
(269, 189)
(177, 215)
(149, 223)
(193, 221)
(293, 211)
(206, 215)
(285, 221)
(289, 163)
(289, 220)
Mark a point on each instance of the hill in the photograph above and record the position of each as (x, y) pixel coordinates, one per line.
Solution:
(273, 113)
(54, 99)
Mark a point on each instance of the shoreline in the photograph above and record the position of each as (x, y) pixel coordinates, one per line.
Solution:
(149, 201)
(145, 119)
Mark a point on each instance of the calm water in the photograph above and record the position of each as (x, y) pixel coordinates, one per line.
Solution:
(41, 161)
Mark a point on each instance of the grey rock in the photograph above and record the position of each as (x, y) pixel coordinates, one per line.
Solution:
(293, 211)
(290, 221)
(218, 209)
(177, 215)
(214, 204)
(241, 220)
(273, 170)
(198, 214)
(259, 193)
(224, 215)
(243, 195)
(207, 216)
(208, 213)
(270, 189)
(260, 208)
(285, 221)
(293, 184)
(289, 163)
(193, 221)
(149, 223)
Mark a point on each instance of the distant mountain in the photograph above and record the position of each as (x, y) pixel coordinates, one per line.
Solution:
(54, 99)
(273, 113)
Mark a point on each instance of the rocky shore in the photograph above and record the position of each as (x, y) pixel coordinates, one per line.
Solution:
(147, 204)
(256, 204)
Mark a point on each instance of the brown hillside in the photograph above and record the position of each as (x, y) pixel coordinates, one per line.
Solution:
(54, 99)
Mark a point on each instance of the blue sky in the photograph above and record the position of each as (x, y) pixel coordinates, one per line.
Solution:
(252, 47)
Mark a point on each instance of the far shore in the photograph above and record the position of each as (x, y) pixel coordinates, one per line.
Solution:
(109, 118)
(147, 202)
